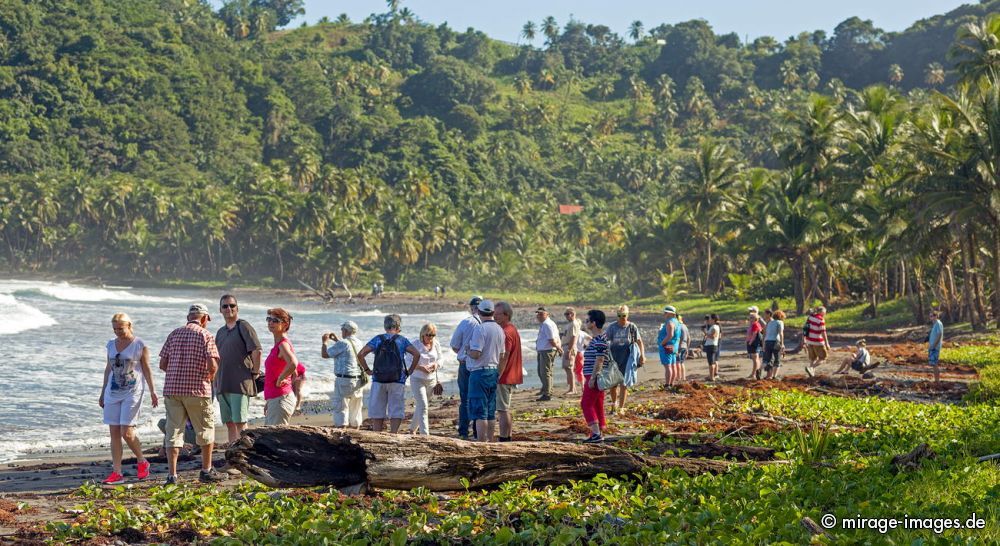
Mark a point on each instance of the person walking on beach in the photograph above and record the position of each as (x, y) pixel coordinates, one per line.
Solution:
(754, 341)
(816, 340)
(684, 350)
(239, 364)
(628, 350)
(424, 375)
(486, 350)
(511, 370)
(668, 341)
(935, 341)
(594, 359)
(389, 373)
(126, 377)
(347, 398)
(459, 343)
(548, 346)
(711, 345)
(280, 368)
(774, 341)
(190, 359)
(568, 337)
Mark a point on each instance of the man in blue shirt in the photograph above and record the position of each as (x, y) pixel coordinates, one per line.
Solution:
(387, 399)
(934, 342)
(460, 344)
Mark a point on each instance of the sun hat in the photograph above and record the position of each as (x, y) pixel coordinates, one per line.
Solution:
(670, 309)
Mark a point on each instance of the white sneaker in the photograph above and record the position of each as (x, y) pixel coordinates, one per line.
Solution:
(809, 371)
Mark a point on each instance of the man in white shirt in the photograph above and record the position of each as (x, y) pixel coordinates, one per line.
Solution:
(460, 343)
(549, 347)
(486, 350)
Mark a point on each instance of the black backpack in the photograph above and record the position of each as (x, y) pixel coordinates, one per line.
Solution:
(388, 364)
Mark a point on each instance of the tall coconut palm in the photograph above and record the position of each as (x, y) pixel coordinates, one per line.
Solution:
(635, 30)
(704, 191)
(550, 28)
(895, 74)
(934, 74)
(975, 49)
(529, 31)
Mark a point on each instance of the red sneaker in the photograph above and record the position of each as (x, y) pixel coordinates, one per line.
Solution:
(114, 479)
(142, 470)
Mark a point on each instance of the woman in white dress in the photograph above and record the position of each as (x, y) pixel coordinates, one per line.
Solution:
(424, 375)
(126, 377)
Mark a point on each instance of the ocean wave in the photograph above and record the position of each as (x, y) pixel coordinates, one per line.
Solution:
(27, 317)
(69, 292)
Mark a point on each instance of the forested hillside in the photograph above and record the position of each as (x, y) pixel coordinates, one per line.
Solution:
(145, 138)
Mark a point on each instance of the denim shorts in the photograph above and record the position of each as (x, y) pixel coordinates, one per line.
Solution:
(932, 356)
(483, 394)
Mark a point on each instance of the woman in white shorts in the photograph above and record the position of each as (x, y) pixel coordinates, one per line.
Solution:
(126, 376)
(423, 378)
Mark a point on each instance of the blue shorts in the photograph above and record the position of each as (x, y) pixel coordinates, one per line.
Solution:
(483, 394)
(668, 359)
(932, 356)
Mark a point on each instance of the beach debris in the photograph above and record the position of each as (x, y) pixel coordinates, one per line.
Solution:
(306, 456)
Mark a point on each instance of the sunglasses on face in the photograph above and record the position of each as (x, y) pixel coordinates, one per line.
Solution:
(228, 306)
(430, 335)
(622, 316)
(272, 319)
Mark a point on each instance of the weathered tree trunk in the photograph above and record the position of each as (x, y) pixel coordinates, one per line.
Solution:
(800, 301)
(304, 456)
(996, 274)
(977, 285)
(967, 294)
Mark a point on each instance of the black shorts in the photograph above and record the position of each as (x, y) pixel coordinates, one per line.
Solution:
(621, 354)
(712, 354)
(772, 354)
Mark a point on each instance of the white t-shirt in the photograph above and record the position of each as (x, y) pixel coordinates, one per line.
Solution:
(488, 339)
(582, 341)
(428, 357)
(548, 336)
(713, 342)
(125, 379)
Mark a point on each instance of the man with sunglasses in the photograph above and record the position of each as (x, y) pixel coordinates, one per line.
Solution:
(239, 351)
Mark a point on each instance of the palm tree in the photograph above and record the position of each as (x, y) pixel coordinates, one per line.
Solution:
(895, 74)
(934, 74)
(635, 30)
(975, 49)
(393, 5)
(528, 31)
(813, 139)
(704, 192)
(550, 29)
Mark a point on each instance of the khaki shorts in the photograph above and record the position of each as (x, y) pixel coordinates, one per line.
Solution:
(199, 410)
(278, 411)
(817, 352)
(503, 397)
(568, 359)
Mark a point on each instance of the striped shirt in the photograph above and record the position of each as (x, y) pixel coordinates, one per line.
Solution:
(598, 347)
(189, 350)
(817, 330)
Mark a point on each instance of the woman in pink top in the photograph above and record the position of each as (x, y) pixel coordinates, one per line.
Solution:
(279, 369)
(755, 340)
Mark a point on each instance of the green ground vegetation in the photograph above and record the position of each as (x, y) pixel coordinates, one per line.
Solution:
(849, 476)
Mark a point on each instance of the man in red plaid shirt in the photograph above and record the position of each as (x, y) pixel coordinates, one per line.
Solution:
(190, 359)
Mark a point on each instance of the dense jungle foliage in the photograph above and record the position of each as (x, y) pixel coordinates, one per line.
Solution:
(154, 139)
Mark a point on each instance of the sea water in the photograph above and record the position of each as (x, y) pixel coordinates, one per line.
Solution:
(53, 337)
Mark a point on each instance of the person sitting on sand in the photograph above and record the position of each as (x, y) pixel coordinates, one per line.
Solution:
(594, 358)
(347, 398)
(628, 351)
(859, 361)
(126, 376)
(424, 376)
(389, 374)
(279, 370)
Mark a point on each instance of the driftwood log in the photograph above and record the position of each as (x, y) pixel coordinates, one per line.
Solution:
(305, 456)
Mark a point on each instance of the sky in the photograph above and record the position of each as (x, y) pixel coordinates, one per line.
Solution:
(748, 18)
